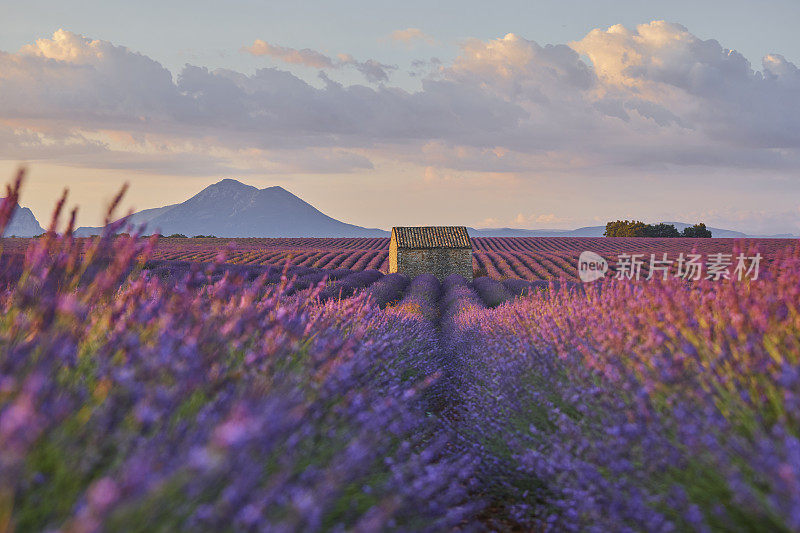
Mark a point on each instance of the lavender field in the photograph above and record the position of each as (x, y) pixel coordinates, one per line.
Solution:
(527, 258)
(140, 394)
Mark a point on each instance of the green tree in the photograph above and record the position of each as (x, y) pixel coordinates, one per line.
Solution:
(626, 228)
(697, 231)
(637, 228)
(662, 230)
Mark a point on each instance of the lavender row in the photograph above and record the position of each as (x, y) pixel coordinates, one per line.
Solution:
(422, 298)
(493, 292)
(458, 297)
(348, 285)
(389, 289)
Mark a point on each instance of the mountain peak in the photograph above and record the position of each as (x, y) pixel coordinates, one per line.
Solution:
(226, 188)
(22, 223)
(275, 188)
(230, 183)
(230, 208)
(233, 185)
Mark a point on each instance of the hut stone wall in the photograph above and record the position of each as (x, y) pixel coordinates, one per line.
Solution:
(439, 261)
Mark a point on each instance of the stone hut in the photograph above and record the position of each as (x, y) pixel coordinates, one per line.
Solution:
(437, 250)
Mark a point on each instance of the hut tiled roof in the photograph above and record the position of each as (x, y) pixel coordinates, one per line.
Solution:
(432, 237)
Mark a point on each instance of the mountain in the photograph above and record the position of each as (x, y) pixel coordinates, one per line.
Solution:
(230, 208)
(517, 232)
(597, 231)
(715, 232)
(23, 224)
(146, 215)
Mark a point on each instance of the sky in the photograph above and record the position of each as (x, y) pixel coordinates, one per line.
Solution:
(534, 114)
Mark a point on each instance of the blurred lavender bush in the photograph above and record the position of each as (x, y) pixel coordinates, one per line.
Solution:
(130, 402)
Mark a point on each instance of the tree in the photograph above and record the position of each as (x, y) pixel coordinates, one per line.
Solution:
(626, 228)
(697, 231)
(636, 228)
(662, 230)
(176, 236)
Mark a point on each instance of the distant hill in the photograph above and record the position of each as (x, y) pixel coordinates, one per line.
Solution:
(597, 231)
(515, 232)
(230, 208)
(23, 224)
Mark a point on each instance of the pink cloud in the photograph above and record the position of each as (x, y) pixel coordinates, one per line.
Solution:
(373, 70)
(409, 36)
(307, 57)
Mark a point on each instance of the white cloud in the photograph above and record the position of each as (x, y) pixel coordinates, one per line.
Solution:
(84, 82)
(697, 83)
(69, 47)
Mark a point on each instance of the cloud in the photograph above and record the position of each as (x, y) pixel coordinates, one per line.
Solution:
(533, 219)
(82, 82)
(68, 47)
(488, 222)
(613, 103)
(660, 56)
(434, 177)
(703, 85)
(410, 36)
(372, 70)
(521, 69)
(307, 57)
